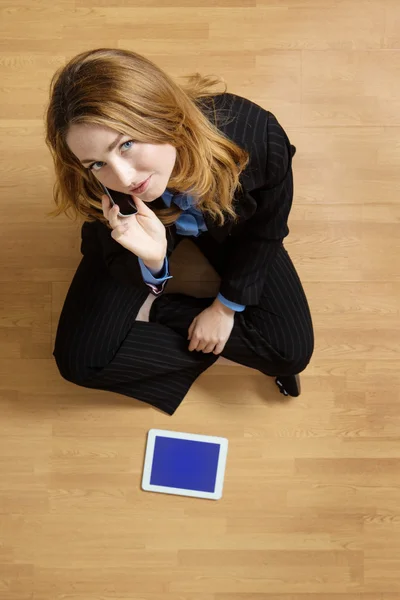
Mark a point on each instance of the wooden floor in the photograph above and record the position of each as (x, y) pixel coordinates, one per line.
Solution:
(311, 505)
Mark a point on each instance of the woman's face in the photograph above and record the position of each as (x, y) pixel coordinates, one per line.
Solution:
(127, 165)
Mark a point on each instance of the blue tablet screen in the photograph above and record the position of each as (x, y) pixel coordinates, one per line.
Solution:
(185, 464)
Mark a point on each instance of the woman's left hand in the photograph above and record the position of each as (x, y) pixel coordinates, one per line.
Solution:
(211, 329)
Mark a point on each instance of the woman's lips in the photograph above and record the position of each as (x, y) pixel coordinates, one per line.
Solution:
(141, 188)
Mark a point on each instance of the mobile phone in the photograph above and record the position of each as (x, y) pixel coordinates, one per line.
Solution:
(126, 205)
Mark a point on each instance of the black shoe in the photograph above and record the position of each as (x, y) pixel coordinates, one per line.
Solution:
(289, 385)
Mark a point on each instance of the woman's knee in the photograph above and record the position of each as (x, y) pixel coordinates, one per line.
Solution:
(73, 353)
(298, 363)
(68, 365)
(300, 354)
(289, 349)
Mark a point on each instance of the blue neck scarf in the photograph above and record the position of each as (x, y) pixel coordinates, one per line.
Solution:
(191, 221)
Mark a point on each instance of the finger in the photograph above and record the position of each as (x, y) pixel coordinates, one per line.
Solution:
(201, 345)
(192, 326)
(219, 347)
(106, 205)
(113, 218)
(119, 231)
(193, 343)
(209, 348)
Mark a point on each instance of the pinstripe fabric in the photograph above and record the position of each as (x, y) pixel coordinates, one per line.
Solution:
(100, 345)
(264, 207)
(275, 337)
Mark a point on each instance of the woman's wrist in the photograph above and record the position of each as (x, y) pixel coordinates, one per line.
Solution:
(154, 266)
(220, 307)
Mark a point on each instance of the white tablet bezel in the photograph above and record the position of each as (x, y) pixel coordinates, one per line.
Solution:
(148, 463)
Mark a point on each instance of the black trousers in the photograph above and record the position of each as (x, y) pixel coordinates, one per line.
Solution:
(100, 345)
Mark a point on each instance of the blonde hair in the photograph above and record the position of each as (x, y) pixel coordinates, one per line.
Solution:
(130, 94)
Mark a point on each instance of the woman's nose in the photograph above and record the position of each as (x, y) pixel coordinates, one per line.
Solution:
(125, 176)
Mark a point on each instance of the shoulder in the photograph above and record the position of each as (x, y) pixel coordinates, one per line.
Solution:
(242, 120)
(92, 235)
(259, 132)
(89, 239)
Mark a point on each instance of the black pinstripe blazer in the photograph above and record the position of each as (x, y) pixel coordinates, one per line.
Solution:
(262, 207)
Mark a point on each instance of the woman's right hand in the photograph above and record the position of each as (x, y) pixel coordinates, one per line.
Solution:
(142, 233)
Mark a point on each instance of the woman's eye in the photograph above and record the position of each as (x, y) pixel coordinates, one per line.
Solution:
(91, 167)
(128, 142)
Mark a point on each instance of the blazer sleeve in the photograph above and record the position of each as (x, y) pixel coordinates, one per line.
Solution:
(120, 263)
(254, 248)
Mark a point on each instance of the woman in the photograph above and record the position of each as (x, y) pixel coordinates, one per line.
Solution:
(218, 170)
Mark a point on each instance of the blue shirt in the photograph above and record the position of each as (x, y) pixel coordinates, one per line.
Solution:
(191, 223)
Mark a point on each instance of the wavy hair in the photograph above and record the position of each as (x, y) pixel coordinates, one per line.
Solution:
(127, 92)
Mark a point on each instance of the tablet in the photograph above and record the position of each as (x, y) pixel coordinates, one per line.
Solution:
(185, 464)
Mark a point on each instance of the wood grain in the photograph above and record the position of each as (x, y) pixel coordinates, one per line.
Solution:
(311, 505)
